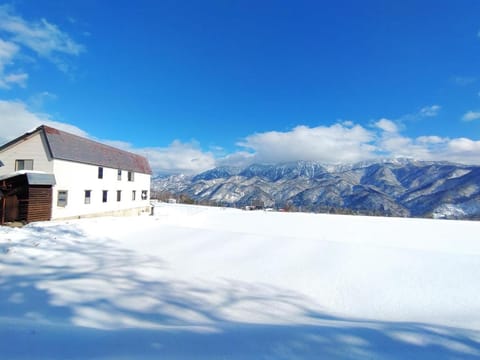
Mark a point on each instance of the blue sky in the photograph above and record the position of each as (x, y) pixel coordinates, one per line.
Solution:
(196, 84)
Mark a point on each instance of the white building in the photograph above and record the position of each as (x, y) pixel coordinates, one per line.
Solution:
(86, 178)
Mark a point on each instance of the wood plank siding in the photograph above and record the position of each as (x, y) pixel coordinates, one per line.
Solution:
(39, 206)
(24, 202)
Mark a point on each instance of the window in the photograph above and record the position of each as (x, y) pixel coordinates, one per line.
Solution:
(88, 195)
(62, 198)
(104, 196)
(100, 172)
(144, 194)
(119, 174)
(134, 195)
(23, 165)
(131, 176)
(119, 195)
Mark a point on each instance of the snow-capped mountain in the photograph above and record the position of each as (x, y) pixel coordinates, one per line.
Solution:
(399, 187)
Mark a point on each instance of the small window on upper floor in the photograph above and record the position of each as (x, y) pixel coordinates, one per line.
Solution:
(144, 194)
(100, 172)
(119, 195)
(23, 164)
(104, 196)
(134, 195)
(119, 174)
(131, 176)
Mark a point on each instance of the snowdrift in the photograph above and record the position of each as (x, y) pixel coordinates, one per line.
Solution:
(203, 283)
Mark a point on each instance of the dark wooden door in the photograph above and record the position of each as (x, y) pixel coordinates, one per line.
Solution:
(11, 208)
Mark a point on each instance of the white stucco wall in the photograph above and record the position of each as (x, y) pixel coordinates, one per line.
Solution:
(76, 178)
(34, 148)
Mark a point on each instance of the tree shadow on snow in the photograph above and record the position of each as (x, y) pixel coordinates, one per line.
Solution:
(62, 297)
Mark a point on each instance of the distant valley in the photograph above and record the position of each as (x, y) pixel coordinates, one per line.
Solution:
(398, 187)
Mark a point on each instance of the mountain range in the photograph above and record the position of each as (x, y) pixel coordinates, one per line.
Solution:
(396, 187)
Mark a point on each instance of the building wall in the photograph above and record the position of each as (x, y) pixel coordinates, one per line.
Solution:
(76, 178)
(34, 148)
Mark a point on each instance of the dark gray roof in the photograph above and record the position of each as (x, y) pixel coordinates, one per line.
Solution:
(33, 177)
(71, 147)
(66, 146)
(40, 179)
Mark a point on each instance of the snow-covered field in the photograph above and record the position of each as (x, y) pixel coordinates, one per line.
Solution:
(208, 283)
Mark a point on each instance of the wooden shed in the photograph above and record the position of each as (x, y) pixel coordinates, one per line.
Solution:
(26, 197)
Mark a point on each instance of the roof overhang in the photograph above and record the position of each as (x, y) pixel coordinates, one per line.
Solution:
(40, 179)
(33, 177)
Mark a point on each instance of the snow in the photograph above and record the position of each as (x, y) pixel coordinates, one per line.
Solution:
(452, 211)
(196, 282)
(20, 172)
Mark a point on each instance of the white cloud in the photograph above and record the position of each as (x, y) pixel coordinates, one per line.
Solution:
(387, 125)
(471, 115)
(425, 112)
(37, 101)
(18, 79)
(186, 158)
(340, 144)
(333, 144)
(432, 148)
(462, 150)
(16, 119)
(348, 123)
(429, 111)
(464, 145)
(237, 159)
(401, 146)
(42, 38)
(8, 51)
(177, 158)
(430, 139)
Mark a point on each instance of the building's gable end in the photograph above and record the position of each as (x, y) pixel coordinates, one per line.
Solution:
(30, 147)
(18, 140)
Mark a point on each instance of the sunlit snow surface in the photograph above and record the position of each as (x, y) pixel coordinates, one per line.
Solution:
(208, 283)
